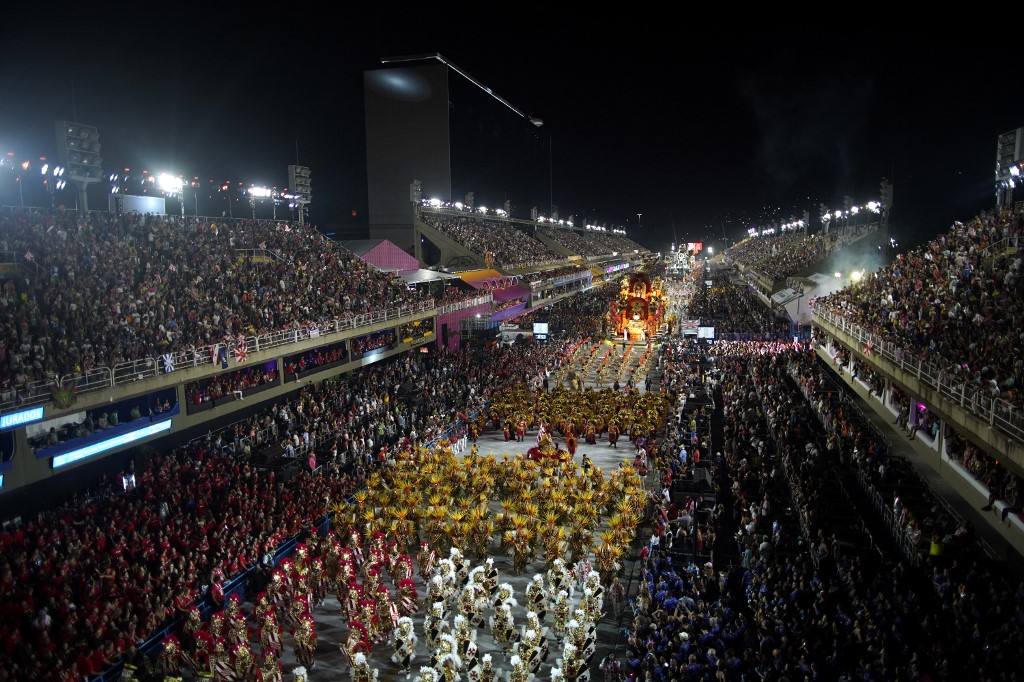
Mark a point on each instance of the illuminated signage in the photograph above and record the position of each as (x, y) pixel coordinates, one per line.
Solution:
(9, 421)
(110, 444)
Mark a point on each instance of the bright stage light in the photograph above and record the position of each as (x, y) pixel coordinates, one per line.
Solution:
(169, 183)
(260, 192)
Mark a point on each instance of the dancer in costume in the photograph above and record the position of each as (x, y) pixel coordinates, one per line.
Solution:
(403, 641)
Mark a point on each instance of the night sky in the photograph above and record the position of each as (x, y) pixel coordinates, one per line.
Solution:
(702, 134)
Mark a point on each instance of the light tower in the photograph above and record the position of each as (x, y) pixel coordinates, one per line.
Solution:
(78, 150)
(300, 192)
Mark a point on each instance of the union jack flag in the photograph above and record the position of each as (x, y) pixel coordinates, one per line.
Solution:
(868, 347)
(241, 350)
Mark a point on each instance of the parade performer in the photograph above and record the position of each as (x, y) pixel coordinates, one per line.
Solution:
(304, 640)
(528, 648)
(408, 600)
(368, 617)
(506, 431)
(504, 596)
(270, 633)
(361, 670)
(521, 429)
(202, 654)
(449, 666)
(503, 627)
(403, 641)
(561, 611)
(170, 659)
(483, 671)
(356, 642)
(427, 674)
(403, 568)
(537, 596)
(618, 595)
(244, 662)
(435, 624)
(583, 636)
(559, 577)
(193, 624)
(386, 610)
(355, 544)
(572, 667)
(353, 595)
(593, 581)
(425, 560)
(613, 434)
(520, 671)
(317, 581)
(490, 580)
(464, 635)
(571, 443)
(591, 434)
(581, 570)
(270, 670)
(220, 661)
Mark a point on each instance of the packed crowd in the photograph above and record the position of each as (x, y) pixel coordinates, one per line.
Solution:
(229, 384)
(806, 600)
(102, 289)
(578, 243)
(165, 532)
(553, 273)
(83, 584)
(317, 357)
(511, 247)
(953, 302)
(732, 308)
(785, 254)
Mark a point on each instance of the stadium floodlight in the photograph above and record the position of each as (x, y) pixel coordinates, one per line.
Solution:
(260, 192)
(58, 171)
(436, 203)
(837, 215)
(483, 209)
(838, 275)
(855, 210)
(1014, 171)
(169, 183)
(44, 169)
(856, 275)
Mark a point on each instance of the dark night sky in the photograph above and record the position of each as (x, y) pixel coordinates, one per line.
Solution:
(696, 132)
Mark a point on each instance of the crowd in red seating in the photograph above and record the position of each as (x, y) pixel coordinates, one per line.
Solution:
(229, 383)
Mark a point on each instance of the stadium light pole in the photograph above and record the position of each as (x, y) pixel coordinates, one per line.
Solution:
(539, 122)
(639, 225)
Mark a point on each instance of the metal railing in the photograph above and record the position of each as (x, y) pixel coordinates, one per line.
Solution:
(462, 305)
(39, 392)
(1006, 418)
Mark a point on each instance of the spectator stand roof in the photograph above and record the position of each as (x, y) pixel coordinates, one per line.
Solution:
(382, 254)
(502, 287)
(421, 275)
